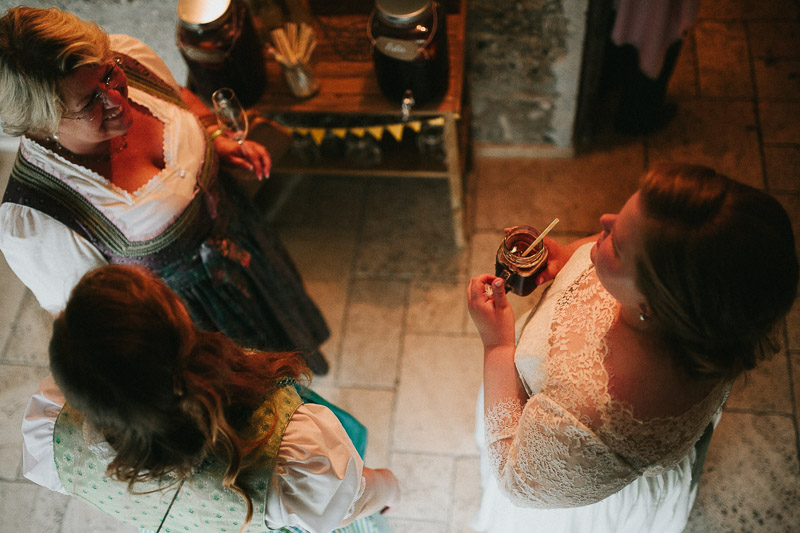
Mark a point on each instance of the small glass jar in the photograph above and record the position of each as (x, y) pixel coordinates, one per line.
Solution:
(430, 142)
(301, 80)
(409, 49)
(519, 271)
(219, 43)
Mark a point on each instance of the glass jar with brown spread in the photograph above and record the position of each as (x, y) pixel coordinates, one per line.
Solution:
(518, 269)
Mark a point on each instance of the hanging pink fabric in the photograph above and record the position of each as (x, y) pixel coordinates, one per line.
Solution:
(652, 26)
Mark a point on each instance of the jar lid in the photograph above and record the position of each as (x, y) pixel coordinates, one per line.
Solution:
(203, 14)
(402, 12)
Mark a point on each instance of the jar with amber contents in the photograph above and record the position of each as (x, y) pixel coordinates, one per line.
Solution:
(409, 49)
(218, 41)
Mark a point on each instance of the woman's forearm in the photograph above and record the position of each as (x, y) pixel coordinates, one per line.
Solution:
(501, 381)
(381, 490)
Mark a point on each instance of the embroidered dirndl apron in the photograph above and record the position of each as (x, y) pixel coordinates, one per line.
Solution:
(231, 272)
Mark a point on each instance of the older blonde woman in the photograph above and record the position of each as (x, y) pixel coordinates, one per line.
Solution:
(119, 164)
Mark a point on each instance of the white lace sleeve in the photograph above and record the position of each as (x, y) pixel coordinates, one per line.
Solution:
(542, 456)
(501, 420)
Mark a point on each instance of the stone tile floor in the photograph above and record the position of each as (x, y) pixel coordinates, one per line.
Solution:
(376, 256)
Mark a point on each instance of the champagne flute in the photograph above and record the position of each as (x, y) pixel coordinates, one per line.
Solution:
(231, 116)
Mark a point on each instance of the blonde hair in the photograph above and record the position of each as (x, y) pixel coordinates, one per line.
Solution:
(38, 49)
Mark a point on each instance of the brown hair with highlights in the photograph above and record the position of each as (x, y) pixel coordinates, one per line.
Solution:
(165, 394)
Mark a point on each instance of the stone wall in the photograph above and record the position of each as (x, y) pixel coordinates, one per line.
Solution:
(523, 59)
(523, 67)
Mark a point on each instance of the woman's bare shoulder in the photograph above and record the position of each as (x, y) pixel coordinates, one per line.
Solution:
(644, 377)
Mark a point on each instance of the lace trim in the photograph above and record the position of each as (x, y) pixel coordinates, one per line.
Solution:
(361, 490)
(502, 423)
(502, 419)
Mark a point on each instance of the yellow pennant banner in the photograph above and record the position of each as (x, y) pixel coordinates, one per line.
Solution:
(396, 129)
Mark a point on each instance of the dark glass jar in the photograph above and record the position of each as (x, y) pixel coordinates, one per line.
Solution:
(519, 271)
(219, 43)
(409, 49)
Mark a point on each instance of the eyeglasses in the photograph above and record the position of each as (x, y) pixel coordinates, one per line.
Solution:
(90, 111)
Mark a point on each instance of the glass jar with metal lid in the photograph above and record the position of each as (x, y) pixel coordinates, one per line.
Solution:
(409, 39)
(219, 43)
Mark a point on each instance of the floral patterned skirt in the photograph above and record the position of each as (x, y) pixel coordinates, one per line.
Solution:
(242, 282)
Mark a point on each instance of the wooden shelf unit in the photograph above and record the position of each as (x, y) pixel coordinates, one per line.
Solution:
(349, 90)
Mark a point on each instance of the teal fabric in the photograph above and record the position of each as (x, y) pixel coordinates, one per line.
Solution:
(355, 429)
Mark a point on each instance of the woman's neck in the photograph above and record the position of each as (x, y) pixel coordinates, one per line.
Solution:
(80, 152)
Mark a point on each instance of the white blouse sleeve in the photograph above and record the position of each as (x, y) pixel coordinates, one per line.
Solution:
(47, 256)
(38, 424)
(143, 54)
(319, 482)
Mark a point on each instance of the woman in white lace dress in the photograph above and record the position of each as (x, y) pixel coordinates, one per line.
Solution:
(595, 415)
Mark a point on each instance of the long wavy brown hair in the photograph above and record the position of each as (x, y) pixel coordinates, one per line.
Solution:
(165, 394)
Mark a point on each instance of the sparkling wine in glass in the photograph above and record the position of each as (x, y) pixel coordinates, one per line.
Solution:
(231, 116)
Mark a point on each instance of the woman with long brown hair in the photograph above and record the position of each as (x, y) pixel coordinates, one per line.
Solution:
(163, 425)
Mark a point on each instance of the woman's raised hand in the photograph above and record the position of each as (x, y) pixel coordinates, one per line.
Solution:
(249, 154)
(490, 310)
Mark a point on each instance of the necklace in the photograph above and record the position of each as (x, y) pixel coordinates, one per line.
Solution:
(92, 157)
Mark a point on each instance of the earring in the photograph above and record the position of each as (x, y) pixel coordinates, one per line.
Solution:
(55, 136)
(643, 317)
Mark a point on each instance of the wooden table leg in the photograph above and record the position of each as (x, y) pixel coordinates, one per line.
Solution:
(454, 178)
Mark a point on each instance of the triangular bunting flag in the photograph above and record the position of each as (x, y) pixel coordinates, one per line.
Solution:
(376, 131)
(317, 134)
(396, 130)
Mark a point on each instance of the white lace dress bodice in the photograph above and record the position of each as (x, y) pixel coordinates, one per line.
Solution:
(573, 444)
